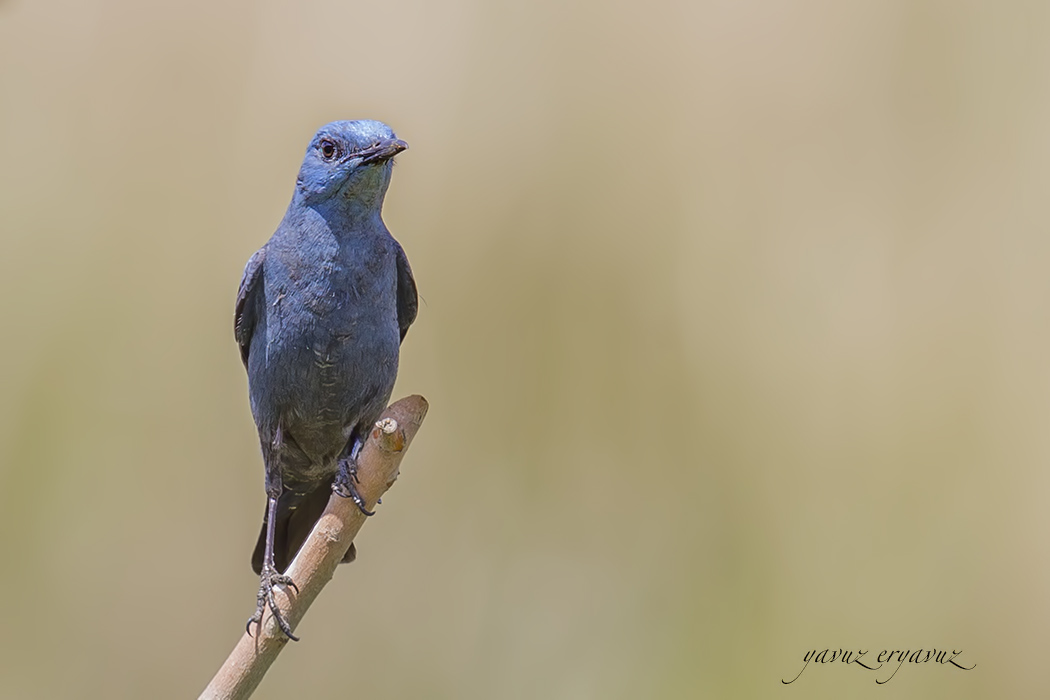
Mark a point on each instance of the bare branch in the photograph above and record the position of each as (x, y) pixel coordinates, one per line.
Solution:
(315, 563)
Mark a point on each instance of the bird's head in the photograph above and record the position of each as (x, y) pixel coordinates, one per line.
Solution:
(349, 160)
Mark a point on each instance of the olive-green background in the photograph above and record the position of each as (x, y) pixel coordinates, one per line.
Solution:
(736, 333)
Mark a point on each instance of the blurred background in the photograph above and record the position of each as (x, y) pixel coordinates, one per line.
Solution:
(736, 329)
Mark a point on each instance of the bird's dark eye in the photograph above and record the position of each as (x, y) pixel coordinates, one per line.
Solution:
(328, 149)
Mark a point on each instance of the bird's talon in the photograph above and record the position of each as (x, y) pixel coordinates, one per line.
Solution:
(345, 480)
(347, 490)
(268, 580)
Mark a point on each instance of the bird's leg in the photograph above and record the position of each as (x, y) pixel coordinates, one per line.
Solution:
(346, 477)
(270, 578)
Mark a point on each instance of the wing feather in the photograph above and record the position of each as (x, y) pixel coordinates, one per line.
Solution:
(407, 298)
(246, 308)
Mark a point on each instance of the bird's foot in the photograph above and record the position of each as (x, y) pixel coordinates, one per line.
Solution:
(344, 486)
(267, 581)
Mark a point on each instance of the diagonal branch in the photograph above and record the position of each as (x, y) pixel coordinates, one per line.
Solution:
(315, 563)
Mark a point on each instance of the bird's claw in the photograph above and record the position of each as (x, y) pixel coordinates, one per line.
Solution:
(344, 485)
(267, 581)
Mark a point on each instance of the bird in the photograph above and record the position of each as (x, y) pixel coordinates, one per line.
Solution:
(321, 312)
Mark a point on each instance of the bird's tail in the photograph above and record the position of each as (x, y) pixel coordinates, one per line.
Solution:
(296, 516)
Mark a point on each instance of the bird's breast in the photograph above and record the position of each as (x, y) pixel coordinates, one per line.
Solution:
(329, 346)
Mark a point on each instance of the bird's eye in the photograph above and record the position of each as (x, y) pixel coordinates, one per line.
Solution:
(328, 149)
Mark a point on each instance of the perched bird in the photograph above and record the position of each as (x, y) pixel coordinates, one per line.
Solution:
(321, 313)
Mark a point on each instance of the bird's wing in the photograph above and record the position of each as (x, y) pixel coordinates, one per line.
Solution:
(244, 313)
(407, 299)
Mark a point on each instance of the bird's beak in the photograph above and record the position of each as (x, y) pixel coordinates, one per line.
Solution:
(384, 150)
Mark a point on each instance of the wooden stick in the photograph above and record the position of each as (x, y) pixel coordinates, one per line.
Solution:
(314, 565)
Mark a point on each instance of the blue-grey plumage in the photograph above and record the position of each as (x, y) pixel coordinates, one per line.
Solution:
(321, 312)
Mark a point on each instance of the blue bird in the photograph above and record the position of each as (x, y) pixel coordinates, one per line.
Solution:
(320, 316)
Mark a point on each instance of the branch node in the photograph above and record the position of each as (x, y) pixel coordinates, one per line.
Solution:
(389, 435)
